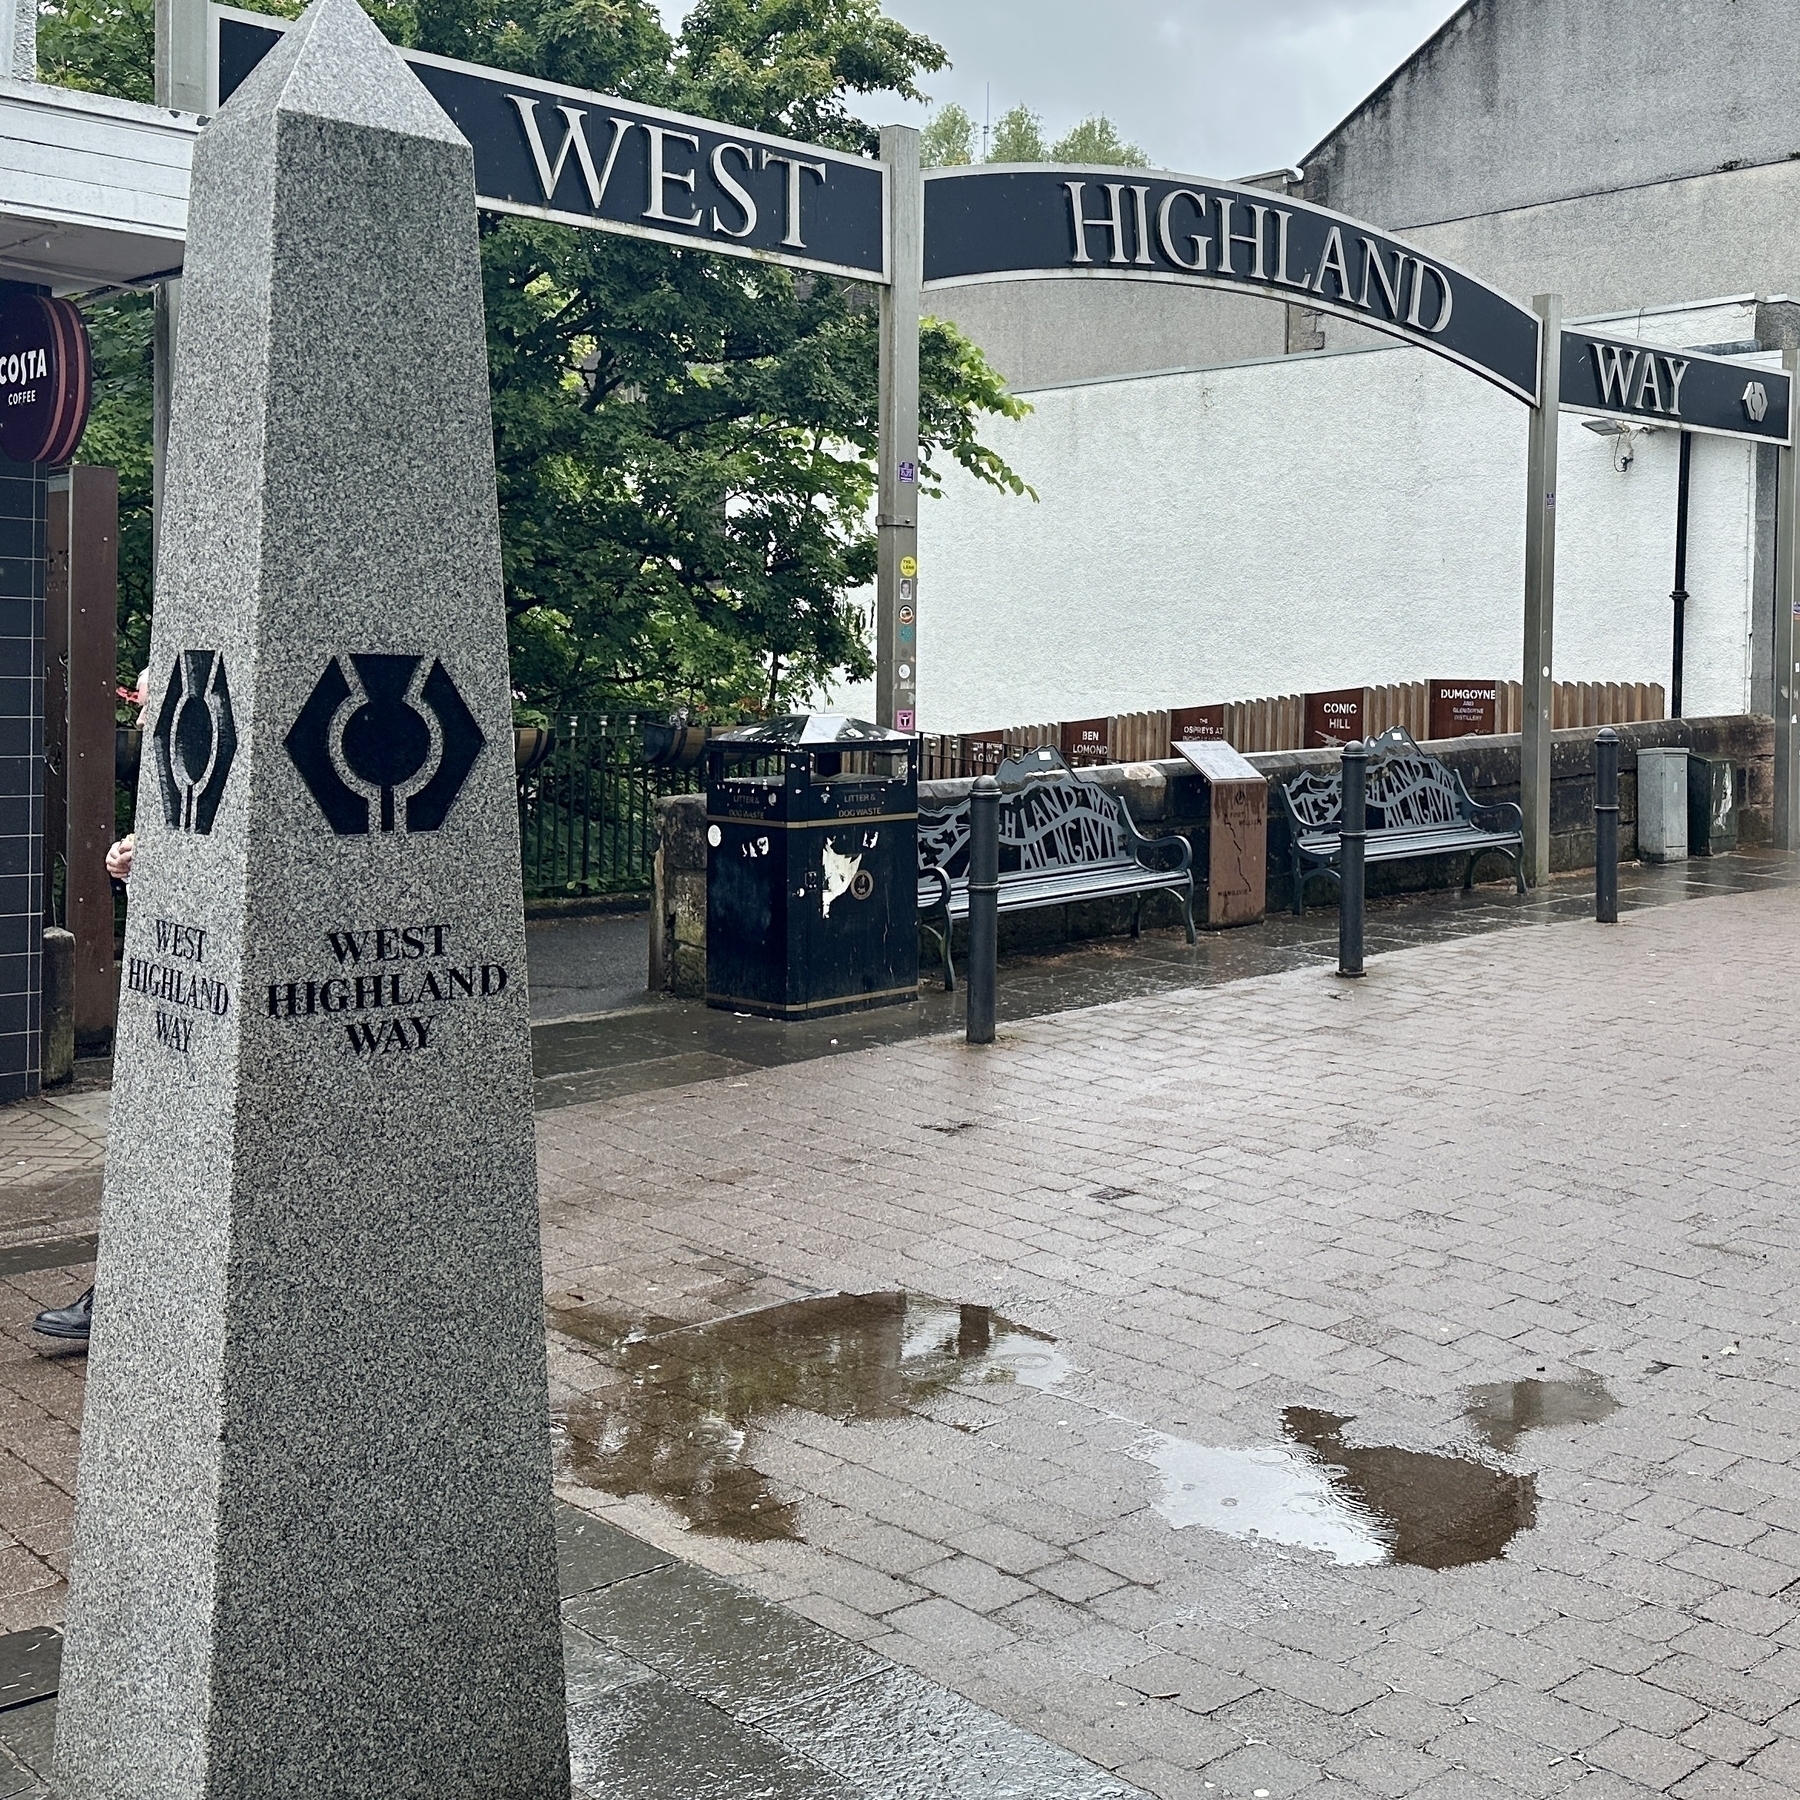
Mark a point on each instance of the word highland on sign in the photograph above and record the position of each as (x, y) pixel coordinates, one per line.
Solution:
(314, 1549)
(1026, 220)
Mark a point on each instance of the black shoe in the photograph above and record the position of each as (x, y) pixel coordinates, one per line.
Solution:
(67, 1321)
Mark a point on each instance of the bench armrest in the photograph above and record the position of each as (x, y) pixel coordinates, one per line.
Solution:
(1496, 815)
(1148, 846)
(931, 873)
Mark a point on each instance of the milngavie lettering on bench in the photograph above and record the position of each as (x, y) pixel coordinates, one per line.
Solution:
(1062, 838)
(1416, 807)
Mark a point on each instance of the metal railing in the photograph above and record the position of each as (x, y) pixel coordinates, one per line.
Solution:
(587, 810)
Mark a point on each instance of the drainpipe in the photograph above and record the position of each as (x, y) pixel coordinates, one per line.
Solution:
(1680, 595)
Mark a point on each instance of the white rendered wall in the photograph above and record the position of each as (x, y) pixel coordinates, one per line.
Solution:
(1308, 523)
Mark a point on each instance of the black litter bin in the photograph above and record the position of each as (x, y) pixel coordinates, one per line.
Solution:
(812, 854)
(1712, 805)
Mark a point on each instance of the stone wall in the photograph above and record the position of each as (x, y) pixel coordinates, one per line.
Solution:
(1166, 797)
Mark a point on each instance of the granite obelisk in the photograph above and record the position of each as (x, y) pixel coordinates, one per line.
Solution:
(314, 1550)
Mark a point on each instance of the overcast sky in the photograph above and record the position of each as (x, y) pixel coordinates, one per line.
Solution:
(1208, 87)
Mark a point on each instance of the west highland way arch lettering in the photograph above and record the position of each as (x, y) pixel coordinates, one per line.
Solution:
(588, 160)
(1027, 221)
(554, 152)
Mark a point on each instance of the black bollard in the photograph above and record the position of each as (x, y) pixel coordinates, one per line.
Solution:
(984, 907)
(1352, 834)
(1606, 827)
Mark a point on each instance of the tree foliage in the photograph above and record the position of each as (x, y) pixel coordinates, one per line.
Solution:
(948, 140)
(1019, 138)
(685, 442)
(1097, 140)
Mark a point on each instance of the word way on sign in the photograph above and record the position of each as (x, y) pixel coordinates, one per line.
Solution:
(387, 981)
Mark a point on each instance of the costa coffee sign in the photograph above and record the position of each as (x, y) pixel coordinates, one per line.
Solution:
(46, 379)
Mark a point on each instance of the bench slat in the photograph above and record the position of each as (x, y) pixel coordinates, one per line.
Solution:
(1381, 846)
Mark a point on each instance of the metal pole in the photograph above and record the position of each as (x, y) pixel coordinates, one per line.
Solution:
(180, 59)
(1606, 827)
(1352, 834)
(1782, 664)
(984, 907)
(1683, 488)
(897, 523)
(1540, 594)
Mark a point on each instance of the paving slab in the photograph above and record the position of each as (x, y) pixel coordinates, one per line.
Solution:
(1525, 1150)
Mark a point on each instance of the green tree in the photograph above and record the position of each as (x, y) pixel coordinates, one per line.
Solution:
(104, 46)
(685, 442)
(948, 140)
(1019, 137)
(1097, 140)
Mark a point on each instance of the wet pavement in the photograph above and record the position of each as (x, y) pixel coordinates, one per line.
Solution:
(583, 965)
(682, 1686)
(653, 1043)
(674, 1425)
(1468, 1283)
(1243, 1383)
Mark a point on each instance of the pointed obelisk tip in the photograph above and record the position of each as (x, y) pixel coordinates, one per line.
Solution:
(334, 63)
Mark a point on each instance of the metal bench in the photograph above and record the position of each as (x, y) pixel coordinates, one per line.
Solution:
(1417, 806)
(1062, 839)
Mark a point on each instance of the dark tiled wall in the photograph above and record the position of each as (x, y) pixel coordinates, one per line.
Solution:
(21, 774)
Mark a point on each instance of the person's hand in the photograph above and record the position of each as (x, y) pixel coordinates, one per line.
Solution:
(118, 858)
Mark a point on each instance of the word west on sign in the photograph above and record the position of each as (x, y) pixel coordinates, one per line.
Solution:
(563, 153)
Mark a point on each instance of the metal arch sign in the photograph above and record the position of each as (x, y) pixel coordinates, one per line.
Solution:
(552, 152)
(1026, 220)
(1680, 390)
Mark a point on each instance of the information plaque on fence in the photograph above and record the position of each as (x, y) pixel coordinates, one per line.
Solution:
(1463, 708)
(1340, 717)
(1086, 743)
(1195, 725)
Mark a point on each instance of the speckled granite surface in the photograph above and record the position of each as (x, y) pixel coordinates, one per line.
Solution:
(314, 1551)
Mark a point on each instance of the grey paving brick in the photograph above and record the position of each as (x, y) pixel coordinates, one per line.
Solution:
(1637, 1703)
(1722, 1738)
(1540, 1718)
(1012, 1552)
(1657, 1762)
(1721, 1781)
(1076, 1580)
(972, 1583)
(943, 1625)
(1261, 1766)
(1316, 1681)
(1441, 1677)
(1386, 1767)
(1779, 1762)
(1519, 1765)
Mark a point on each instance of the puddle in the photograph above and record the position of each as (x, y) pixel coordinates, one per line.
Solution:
(677, 1426)
(1368, 1505)
(1503, 1411)
(1360, 1506)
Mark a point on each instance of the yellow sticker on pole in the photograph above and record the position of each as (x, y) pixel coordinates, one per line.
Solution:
(909, 566)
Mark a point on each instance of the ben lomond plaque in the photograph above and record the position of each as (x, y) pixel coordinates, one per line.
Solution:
(314, 1550)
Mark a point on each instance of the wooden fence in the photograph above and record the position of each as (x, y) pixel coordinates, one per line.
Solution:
(1278, 722)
